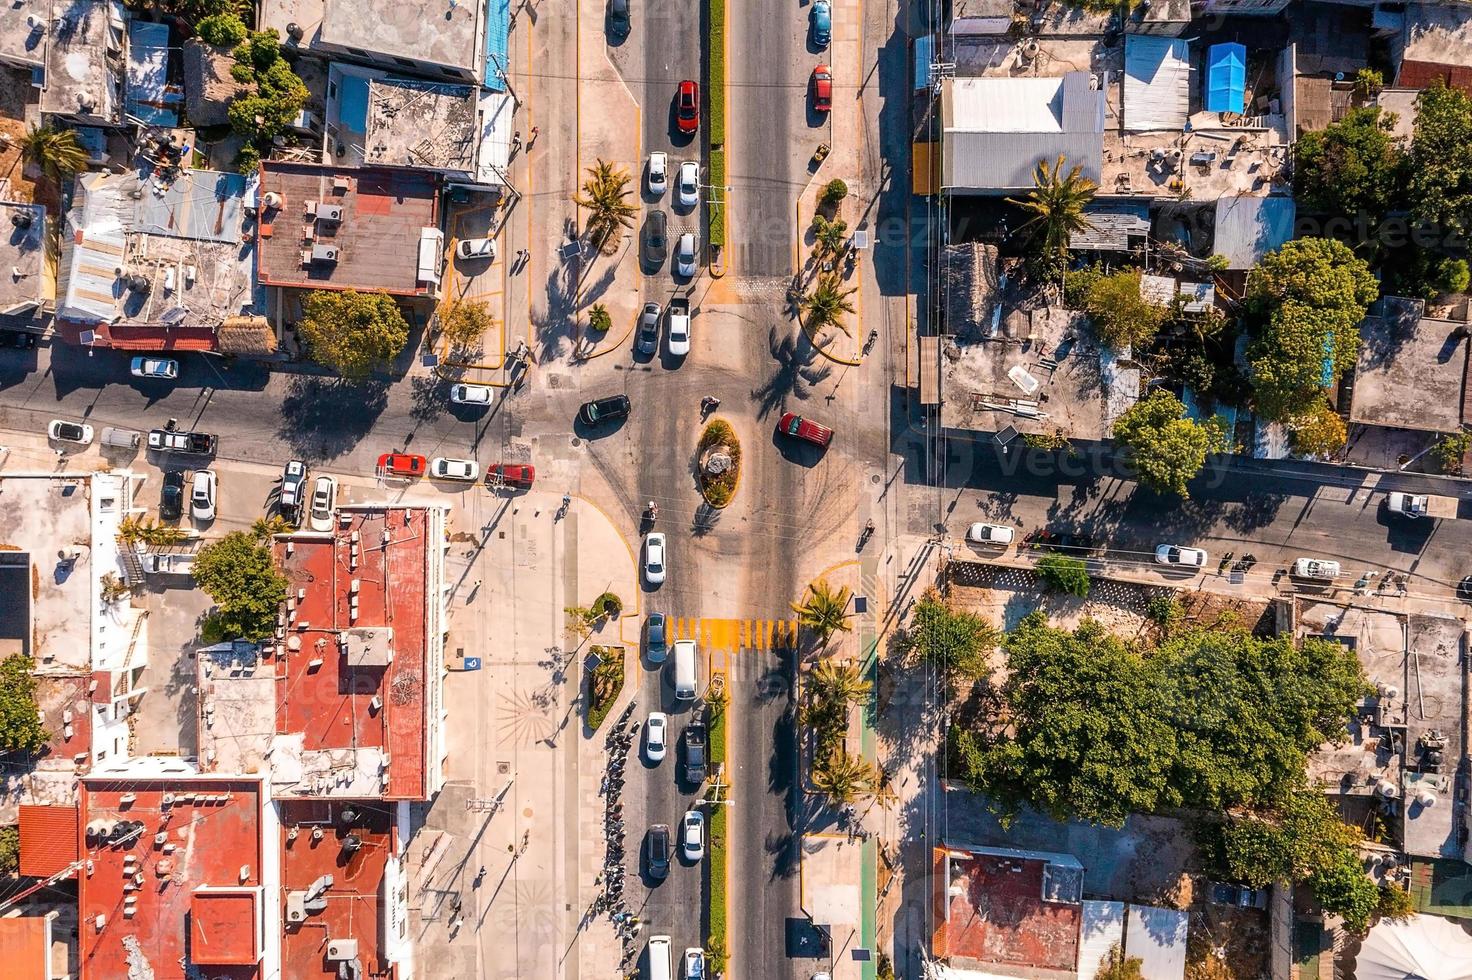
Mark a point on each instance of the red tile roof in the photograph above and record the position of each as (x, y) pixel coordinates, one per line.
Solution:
(25, 946)
(997, 915)
(144, 337)
(48, 839)
(1424, 74)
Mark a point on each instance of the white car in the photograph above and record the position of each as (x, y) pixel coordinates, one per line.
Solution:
(687, 185)
(694, 964)
(1170, 554)
(659, 173)
(999, 534)
(685, 255)
(656, 736)
(78, 432)
(476, 248)
(324, 502)
(202, 496)
(692, 835)
(1316, 568)
(163, 368)
(654, 558)
(471, 394)
(445, 468)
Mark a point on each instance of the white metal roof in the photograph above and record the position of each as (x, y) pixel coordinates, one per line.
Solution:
(1423, 946)
(1005, 105)
(1157, 83)
(1100, 931)
(1157, 936)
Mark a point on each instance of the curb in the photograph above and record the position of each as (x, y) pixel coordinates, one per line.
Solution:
(709, 422)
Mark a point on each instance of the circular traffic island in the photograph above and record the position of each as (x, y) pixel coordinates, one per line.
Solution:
(718, 458)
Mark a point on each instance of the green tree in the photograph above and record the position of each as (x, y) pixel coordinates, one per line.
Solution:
(9, 851)
(353, 333)
(1064, 574)
(827, 304)
(55, 151)
(20, 719)
(830, 236)
(1453, 275)
(599, 318)
(222, 30)
(1056, 206)
(843, 779)
(278, 97)
(841, 683)
(464, 323)
(953, 640)
(1282, 844)
(1450, 450)
(1344, 889)
(239, 573)
(606, 196)
(1351, 167)
(1395, 904)
(824, 611)
(1122, 317)
(833, 192)
(1166, 447)
(1318, 432)
(1439, 188)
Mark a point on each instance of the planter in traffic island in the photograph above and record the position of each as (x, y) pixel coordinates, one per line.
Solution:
(719, 462)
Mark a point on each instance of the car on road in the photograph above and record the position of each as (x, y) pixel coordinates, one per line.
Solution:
(654, 558)
(679, 326)
(1320, 569)
(657, 633)
(657, 844)
(822, 23)
(171, 496)
(293, 490)
(694, 968)
(172, 439)
(202, 496)
(402, 464)
(996, 534)
(687, 184)
(517, 475)
(659, 173)
(471, 394)
(324, 502)
(447, 468)
(476, 248)
(647, 340)
(695, 753)
(160, 368)
(822, 89)
(604, 410)
(795, 426)
(77, 432)
(692, 835)
(656, 732)
(687, 106)
(656, 238)
(618, 17)
(1171, 554)
(685, 255)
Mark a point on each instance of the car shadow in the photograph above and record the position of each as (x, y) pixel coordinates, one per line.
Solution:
(602, 430)
(796, 451)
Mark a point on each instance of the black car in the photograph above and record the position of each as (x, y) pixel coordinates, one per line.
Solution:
(695, 752)
(171, 500)
(659, 851)
(604, 410)
(656, 239)
(618, 17)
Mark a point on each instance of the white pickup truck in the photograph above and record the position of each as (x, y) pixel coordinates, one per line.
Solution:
(1421, 505)
(178, 441)
(172, 564)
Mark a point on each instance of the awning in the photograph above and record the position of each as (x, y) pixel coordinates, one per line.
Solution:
(1226, 78)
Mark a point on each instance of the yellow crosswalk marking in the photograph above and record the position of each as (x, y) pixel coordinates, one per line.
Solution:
(732, 635)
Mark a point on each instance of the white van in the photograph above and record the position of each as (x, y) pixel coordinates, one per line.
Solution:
(684, 670)
(659, 958)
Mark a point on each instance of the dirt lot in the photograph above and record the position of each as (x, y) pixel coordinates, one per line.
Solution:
(15, 184)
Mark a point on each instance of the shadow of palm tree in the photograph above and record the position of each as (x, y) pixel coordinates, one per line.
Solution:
(322, 418)
(705, 520)
(796, 373)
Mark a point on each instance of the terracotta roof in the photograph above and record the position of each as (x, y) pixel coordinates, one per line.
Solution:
(25, 946)
(1424, 74)
(48, 839)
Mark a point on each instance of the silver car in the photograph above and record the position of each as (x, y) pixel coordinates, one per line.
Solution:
(324, 502)
(687, 185)
(202, 496)
(685, 255)
(647, 341)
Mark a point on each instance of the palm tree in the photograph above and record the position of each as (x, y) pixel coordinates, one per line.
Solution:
(841, 683)
(823, 611)
(1057, 205)
(604, 194)
(55, 151)
(830, 236)
(843, 778)
(827, 303)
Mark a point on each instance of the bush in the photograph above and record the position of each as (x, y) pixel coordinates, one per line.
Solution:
(1165, 611)
(717, 198)
(599, 319)
(604, 685)
(1064, 574)
(1395, 904)
(715, 84)
(718, 490)
(833, 192)
(715, 943)
(1077, 284)
(1449, 452)
(9, 851)
(222, 30)
(608, 605)
(1453, 276)
(1121, 316)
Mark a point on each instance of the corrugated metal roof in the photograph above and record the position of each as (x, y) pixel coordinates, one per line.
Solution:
(1247, 228)
(1157, 936)
(200, 204)
(48, 839)
(1112, 225)
(1100, 931)
(998, 129)
(1226, 78)
(1004, 105)
(1157, 83)
(1004, 162)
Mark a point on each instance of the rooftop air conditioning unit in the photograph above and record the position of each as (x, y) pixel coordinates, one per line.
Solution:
(326, 253)
(339, 950)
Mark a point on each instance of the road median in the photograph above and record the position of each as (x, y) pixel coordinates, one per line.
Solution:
(715, 87)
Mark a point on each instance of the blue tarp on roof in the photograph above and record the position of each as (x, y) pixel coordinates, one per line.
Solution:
(498, 27)
(1226, 78)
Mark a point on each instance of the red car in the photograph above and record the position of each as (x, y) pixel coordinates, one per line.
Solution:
(519, 475)
(402, 464)
(822, 88)
(794, 425)
(687, 107)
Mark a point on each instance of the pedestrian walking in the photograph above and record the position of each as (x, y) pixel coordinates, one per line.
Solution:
(536, 131)
(515, 139)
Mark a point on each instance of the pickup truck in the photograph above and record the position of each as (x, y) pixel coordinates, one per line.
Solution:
(679, 313)
(174, 564)
(1421, 505)
(177, 441)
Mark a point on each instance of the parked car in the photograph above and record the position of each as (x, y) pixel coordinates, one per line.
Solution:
(618, 17)
(1316, 568)
(679, 326)
(647, 340)
(518, 475)
(659, 173)
(694, 968)
(685, 255)
(476, 248)
(471, 394)
(656, 238)
(171, 496)
(687, 106)
(324, 502)
(77, 432)
(794, 425)
(293, 489)
(656, 729)
(822, 23)
(657, 843)
(654, 558)
(161, 368)
(997, 534)
(1238, 896)
(170, 564)
(695, 752)
(692, 835)
(822, 89)
(657, 642)
(174, 440)
(402, 464)
(687, 184)
(604, 410)
(446, 468)
(1170, 554)
(202, 496)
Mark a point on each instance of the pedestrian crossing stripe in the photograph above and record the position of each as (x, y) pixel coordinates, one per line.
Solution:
(737, 634)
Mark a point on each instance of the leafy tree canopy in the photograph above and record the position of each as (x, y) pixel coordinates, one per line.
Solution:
(1064, 574)
(278, 97)
(1122, 317)
(1284, 844)
(1440, 182)
(953, 640)
(1351, 167)
(20, 720)
(1343, 888)
(1166, 447)
(353, 333)
(464, 324)
(1319, 431)
(239, 573)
